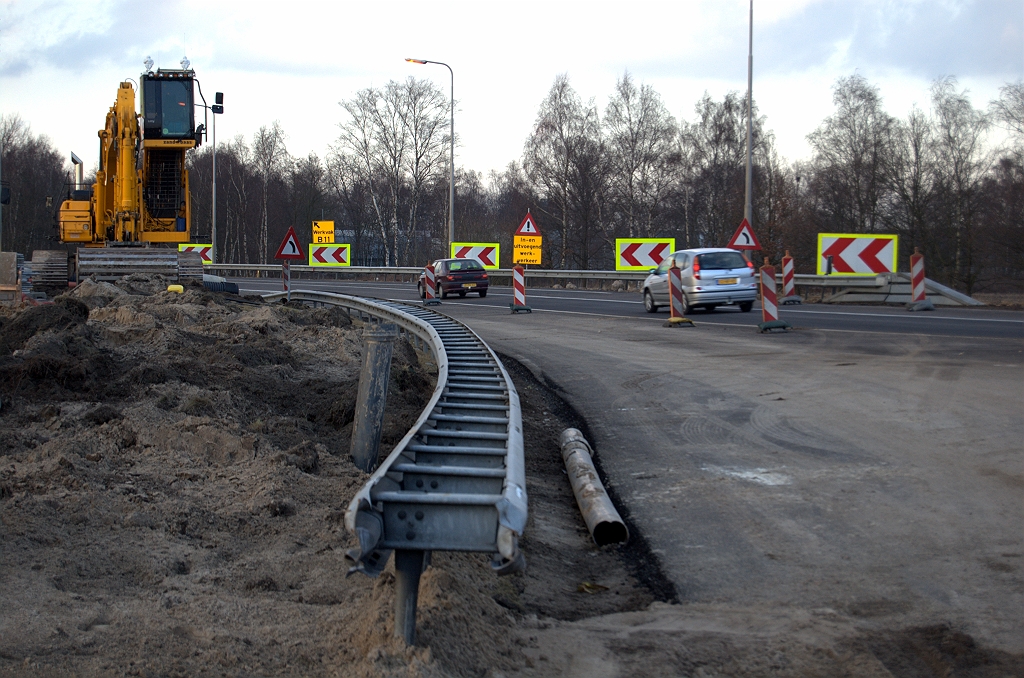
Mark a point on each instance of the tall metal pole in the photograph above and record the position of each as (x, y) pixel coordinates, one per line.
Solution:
(451, 180)
(748, 208)
(213, 208)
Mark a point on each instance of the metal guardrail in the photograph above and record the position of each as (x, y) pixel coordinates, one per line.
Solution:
(848, 283)
(416, 270)
(457, 480)
(801, 279)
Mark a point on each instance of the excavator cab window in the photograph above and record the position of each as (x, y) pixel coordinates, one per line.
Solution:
(167, 107)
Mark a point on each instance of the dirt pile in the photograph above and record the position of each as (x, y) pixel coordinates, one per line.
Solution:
(173, 476)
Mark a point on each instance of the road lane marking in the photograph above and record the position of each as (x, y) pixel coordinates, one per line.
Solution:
(913, 317)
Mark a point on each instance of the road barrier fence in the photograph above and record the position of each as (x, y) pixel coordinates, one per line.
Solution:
(884, 287)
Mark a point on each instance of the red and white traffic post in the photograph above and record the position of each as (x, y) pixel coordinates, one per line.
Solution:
(769, 301)
(789, 295)
(429, 286)
(519, 290)
(677, 305)
(918, 298)
(286, 278)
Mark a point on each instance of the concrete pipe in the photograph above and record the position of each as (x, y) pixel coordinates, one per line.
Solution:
(603, 521)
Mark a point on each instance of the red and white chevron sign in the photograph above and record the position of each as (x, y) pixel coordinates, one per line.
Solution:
(205, 251)
(329, 255)
(641, 254)
(486, 252)
(854, 254)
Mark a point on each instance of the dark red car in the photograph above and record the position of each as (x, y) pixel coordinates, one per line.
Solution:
(456, 276)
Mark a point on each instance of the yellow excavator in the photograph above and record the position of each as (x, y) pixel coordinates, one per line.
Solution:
(140, 202)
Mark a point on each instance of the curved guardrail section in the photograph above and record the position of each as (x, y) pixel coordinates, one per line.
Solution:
(457, 480)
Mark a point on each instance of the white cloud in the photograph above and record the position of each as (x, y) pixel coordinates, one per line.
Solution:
(60, 62)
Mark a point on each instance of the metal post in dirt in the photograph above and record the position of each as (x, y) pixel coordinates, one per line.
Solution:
(408, 567)
(378, 342)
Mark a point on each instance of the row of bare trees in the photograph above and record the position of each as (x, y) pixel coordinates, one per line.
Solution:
(34, 171)
(934, 178)
(591, 174)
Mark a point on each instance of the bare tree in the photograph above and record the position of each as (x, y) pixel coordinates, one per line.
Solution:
(962, 163)
(643, 158)
(713, 152)
(563, 160)
(910, 173)
(849, 157)
(424, 114)
(270, 158)
(394, 145)
(1009, 108)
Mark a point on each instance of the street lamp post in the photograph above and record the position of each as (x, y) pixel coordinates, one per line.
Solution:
(451, 180)
(748, 207)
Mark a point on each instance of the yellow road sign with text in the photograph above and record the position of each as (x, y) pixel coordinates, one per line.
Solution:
(323, 232)
(527, 249)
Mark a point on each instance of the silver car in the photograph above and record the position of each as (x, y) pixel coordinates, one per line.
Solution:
(711, 277)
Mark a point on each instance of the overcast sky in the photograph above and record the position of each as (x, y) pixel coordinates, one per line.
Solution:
(60, 61)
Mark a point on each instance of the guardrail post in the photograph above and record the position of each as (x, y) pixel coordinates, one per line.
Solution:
(408, 567)
(378, 342)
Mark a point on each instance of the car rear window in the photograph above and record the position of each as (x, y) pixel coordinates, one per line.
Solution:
(721, 260)
(465, 265)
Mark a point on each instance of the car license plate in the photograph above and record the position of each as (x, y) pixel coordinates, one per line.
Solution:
(728, 281)
(469, 284)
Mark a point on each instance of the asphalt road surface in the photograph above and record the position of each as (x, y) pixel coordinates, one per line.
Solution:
(955, 321)
(868, 464)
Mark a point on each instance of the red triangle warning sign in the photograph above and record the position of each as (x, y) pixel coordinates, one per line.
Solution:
(528, 227)
(744, 238)
(290, 247)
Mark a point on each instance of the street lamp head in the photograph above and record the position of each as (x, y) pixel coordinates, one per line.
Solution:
(416, 61)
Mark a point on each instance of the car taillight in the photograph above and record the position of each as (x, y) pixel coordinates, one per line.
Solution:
(750, 265)
(696, 268)
(451, 277)
(484, 276)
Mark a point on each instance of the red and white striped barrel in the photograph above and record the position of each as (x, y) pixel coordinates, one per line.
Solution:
(788, 286)
(518, 286)
(428, 282)
(675, 285)
(769, 302)
(917, 276)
